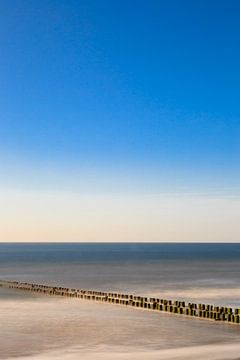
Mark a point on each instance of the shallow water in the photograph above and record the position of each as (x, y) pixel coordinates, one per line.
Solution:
(44, 327)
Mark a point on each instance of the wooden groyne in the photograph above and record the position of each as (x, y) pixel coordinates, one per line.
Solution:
(204, 311)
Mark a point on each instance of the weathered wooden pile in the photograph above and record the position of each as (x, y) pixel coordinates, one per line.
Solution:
(218, 313)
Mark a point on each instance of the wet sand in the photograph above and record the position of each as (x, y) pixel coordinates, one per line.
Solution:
(41, 328)
(208, 352)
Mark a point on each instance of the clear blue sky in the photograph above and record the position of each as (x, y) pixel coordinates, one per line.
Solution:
(146, 91)
(133, 81)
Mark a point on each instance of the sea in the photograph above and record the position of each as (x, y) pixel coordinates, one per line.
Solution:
(40, 327)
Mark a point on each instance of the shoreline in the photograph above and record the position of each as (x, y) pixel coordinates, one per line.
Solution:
(176, 307)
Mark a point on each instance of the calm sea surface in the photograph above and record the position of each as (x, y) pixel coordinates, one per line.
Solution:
(38, 326)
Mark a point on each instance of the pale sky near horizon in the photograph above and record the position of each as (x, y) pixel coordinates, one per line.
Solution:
(120, 120)
(64, 216)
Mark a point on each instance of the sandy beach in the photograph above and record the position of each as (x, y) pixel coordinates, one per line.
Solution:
(42, 327)
(208, 352)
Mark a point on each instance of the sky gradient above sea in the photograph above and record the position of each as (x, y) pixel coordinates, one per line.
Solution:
(119, 120)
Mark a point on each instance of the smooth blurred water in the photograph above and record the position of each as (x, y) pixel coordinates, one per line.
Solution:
(189, 271)
(36, 324)
(76, 252)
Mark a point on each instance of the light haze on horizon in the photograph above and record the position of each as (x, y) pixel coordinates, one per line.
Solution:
(120, 121)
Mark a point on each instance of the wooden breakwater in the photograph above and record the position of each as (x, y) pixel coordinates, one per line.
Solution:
(204, 311)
